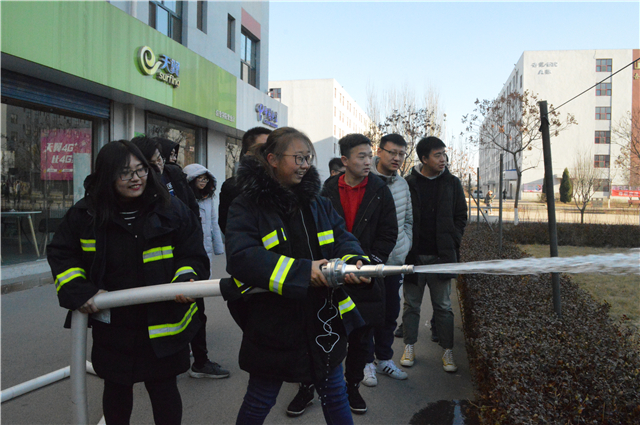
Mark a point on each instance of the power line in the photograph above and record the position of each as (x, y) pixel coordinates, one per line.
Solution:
(575, 97)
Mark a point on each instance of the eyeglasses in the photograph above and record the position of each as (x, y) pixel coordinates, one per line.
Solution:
(400, 155)
(203, 179)
(127, 175)
(300, 158)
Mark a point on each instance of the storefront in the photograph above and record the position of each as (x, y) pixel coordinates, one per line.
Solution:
(70, 84)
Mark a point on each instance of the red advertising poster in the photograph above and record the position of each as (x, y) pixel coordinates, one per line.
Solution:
(625, 191)
(57, 147)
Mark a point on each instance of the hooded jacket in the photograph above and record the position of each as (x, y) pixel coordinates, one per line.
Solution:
(208, 212)
(166, 247)
(376, 228)
(404, 212)
(282, 335)
(451, 215)
(167, 146)
(180, 186)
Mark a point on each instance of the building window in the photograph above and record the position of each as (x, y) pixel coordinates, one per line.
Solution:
(166, 17)
(275, 93)
(202, 16)
(603, 89)
(603, 137)
(602, 185)
(604, 65)
(601, 161)
(248, 58)
(231, 31)
(603, 112)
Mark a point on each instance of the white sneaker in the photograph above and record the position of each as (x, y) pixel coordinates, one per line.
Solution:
(370, 379)
(447, 361)
(408, 357)
(388, 367)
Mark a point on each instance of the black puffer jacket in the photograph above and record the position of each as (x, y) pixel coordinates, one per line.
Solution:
(181, 187)
(282, 336)
(376, 228)
(451, 216)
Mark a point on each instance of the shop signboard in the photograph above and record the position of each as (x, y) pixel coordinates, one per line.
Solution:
(57, 149)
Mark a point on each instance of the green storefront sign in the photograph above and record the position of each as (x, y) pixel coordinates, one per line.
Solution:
(99, 42)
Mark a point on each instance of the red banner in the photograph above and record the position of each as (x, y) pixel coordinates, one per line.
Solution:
(57, 147)
(625, 191)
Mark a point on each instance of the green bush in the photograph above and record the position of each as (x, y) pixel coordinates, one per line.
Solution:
(532, 367)
(575, 234)
(566, 188)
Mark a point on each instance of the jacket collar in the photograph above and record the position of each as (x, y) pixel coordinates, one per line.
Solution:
(390, 179)
(259, 186)
(417, 171)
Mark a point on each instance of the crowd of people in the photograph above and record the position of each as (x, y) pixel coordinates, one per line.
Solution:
(146, 221)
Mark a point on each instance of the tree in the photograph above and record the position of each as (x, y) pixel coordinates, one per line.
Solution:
(398, 111)
(626, 134)
(566, 190)
(511, 124)
(584, 181)
(459, 161)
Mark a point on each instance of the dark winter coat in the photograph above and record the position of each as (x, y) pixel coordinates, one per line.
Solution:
(376, 228)
(451, 216)
(280, 325)
(228, 192)
(181, 187)
(164, 244)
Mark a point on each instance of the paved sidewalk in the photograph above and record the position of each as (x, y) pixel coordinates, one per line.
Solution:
(34, 343)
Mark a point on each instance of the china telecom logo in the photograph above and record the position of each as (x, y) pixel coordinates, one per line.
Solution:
(165, 69)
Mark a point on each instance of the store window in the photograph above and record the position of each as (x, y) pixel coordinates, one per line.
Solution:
(233, 149)
(248, 58)
(190, 138)
(166, 17)
(45, 160)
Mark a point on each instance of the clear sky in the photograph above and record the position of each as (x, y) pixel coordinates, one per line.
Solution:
(465, 50)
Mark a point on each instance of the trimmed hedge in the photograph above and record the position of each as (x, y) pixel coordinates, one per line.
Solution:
(530, 366)
(575, 234)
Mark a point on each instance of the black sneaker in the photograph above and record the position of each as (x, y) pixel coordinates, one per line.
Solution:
(399, 333)
(356, 402)
(209, 370)
(300, 402)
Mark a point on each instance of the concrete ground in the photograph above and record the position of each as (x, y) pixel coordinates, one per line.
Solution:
(33, 343)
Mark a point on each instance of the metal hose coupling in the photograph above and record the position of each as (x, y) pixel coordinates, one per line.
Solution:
(336, 270)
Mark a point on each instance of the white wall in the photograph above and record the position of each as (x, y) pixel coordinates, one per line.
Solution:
(246, 115)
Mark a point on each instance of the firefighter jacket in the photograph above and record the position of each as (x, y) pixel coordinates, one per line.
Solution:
(376, 227)
(291, 331)
(165, 247)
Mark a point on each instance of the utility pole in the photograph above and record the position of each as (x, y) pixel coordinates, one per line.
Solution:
(551, 202)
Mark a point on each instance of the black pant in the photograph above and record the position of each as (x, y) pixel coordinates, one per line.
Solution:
(199, 341)
(357, 354)
(117, 402)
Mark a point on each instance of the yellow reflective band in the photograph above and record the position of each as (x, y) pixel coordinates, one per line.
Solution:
(348, 257)
(88, 244)
(155, 254)
(68, 275)
(280, 274)
(325, 237)
(271, 240)
(284, 237)
(183, 270)
(169, 329)
(240, 285)
(346, 306)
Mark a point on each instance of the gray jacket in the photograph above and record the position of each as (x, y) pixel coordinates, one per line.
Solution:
(402, 198)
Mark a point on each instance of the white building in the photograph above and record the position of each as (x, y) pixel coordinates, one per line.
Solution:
(324, 111)
(76, 75)
(558, 76)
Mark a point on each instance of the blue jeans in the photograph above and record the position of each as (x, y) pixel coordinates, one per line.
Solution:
(262, 393)
(383, 335)
(440, 292)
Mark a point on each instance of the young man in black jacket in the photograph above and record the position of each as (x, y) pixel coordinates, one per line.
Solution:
(439, 219)
(366, 204)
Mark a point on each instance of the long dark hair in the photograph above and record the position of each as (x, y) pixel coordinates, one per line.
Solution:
(208, 190)
(277, 143)
(100, 185)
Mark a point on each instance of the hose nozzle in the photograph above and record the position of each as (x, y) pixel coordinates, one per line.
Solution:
(336, 270)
